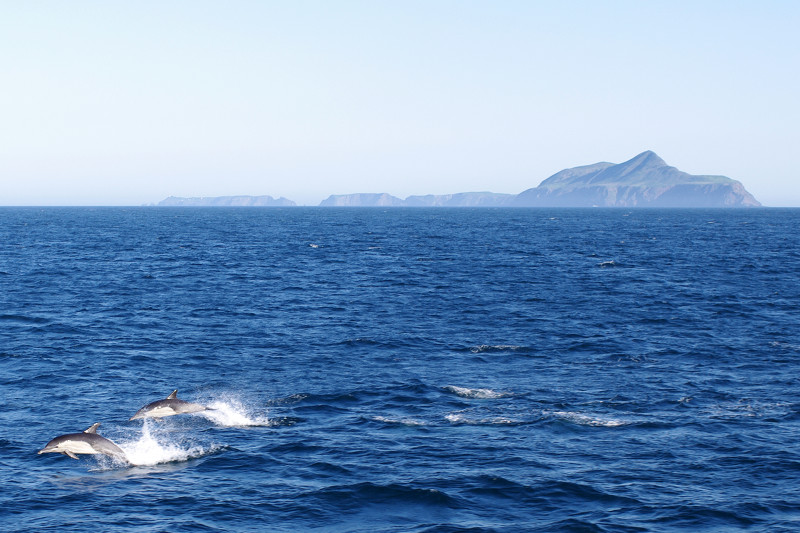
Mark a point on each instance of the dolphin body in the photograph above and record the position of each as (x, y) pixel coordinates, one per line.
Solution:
(169, 407)
(88, 442)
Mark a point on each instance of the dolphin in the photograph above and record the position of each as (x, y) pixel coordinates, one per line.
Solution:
(171, 406)
(88, 442)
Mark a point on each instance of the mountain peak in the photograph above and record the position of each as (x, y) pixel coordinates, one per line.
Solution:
(633, 169)
(647, 159)
(648, 154)
(644, 180)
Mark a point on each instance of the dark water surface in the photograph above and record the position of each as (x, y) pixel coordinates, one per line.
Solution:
(403, 370)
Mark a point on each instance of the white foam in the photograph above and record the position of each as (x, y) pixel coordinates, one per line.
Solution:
(148, 450)
(399, 421)
(233, 413)
(455, 418)
(461, 418)
(749, 409)
(495, 348)
(482, 394)
(159, 442)
(588, 420)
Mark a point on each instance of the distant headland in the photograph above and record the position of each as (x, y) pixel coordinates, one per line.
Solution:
(644, 181)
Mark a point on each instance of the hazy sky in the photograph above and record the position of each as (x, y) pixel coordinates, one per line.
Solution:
(126, 103)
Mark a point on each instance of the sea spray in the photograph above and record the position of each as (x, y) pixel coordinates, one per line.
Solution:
(159, 442)
(231, 412)
(151, 449)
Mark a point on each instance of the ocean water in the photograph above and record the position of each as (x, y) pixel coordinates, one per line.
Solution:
(387, 370)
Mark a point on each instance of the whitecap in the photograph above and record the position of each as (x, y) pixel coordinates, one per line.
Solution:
(746, 408)
(399, 421)
(482, 348)
(482, 394)
(462, 418)
(588, 420)
(607, 264)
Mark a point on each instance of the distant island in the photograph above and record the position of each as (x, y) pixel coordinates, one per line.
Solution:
(463, 199)
(226, 201)
(644, 181)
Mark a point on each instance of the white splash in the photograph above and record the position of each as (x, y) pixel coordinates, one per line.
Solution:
(149, 450)
(233, 413)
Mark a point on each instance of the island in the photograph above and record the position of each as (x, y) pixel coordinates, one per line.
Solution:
(226, 201)
(463, 199)
(643, 181)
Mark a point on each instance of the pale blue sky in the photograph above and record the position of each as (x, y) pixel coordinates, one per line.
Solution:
(126, 103)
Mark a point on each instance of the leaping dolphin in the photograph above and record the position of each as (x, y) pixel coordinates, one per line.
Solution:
(88, 442)
(169, 407)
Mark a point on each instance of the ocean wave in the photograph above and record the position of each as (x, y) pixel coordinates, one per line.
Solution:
(751, 409)
(372, 493)
(482, 394)
(786, 345)
(292, 399)
(360, 341)
(399, 421)
(25, 319)
(582, 419)
(497, 348)
(462, 418)
(545, 494)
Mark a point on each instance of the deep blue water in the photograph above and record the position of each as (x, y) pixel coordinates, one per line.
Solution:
(386, 370)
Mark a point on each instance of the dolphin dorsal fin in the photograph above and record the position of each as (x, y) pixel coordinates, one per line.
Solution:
(173, 395)
(93, 429)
